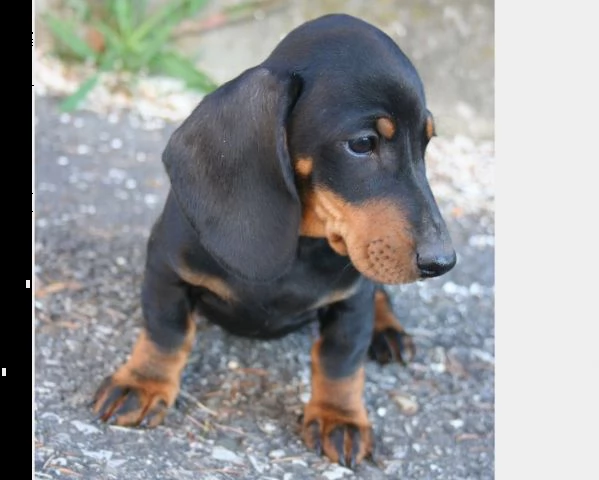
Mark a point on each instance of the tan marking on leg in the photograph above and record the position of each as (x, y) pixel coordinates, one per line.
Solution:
(389, 339)
(149, 379)
(335, 403)
(150, 361)
(383, 314)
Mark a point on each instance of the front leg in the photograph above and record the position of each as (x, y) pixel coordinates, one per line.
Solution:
(390, 342)
(142, 389)
(335, 419)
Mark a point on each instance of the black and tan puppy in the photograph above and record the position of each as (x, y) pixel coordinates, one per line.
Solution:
(297, 190)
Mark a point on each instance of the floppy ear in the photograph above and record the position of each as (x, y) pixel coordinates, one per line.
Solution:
(231, 174)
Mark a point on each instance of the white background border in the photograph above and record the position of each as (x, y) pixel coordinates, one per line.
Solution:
(547, 224)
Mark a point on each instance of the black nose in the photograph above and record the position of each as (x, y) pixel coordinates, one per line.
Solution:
(433, 266)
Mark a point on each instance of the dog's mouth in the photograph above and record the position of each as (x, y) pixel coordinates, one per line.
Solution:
(383, 259)
(375, 236)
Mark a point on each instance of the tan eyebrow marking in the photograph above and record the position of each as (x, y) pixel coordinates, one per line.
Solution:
(304, 166)
(385, 127)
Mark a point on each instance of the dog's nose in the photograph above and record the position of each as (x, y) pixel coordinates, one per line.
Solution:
(433, 266)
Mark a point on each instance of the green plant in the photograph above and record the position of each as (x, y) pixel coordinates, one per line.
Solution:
(122, 35)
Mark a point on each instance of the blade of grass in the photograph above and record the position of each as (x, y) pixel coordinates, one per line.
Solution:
(164, 17)
(72, 101)
(139, 12)
(194, 6)
(243, 7)
(81, 10)
(172, 64)
(107, 61)
(67, 35)
(124, 15)
(153, 46)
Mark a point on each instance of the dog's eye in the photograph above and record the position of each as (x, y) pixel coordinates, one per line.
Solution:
(362, 145)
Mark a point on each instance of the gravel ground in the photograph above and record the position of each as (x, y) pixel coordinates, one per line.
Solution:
(99, 187)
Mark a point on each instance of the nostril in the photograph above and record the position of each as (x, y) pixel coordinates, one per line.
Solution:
(433, 266)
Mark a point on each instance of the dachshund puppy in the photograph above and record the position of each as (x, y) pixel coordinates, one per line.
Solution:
(297, 190)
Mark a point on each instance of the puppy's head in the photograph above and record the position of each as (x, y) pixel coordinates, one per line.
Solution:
(326, 138)
(358, 135)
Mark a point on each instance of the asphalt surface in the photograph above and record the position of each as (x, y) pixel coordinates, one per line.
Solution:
(99, 187)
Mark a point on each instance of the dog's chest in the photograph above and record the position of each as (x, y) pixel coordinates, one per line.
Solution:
(317, 278)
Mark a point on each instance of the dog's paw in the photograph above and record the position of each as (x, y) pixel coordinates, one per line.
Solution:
(392, 345)
(132, 400)
(344, 441)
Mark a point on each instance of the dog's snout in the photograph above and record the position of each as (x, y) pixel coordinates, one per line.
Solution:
(435, 265)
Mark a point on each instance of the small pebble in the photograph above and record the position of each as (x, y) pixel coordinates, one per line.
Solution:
(221, 453)
(457, 423)
(101, 455)
(85, 428)
(150, 199)
(83, 149)
(277, 453)
(305, 397)
(438, 367)
(334, 472)
(268, 427)
(407, 405)
(258, 466)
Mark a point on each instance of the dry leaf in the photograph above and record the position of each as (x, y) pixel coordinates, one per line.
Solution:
(55, 288)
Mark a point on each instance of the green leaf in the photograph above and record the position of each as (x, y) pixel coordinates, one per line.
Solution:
(108, 60)
(163, 19)
(139, 12)
(66, 34)
(241, 8)
(194, 6)
(124, 15)
(177, 66)
(73, 100)
(81, 10)
(153, 46)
